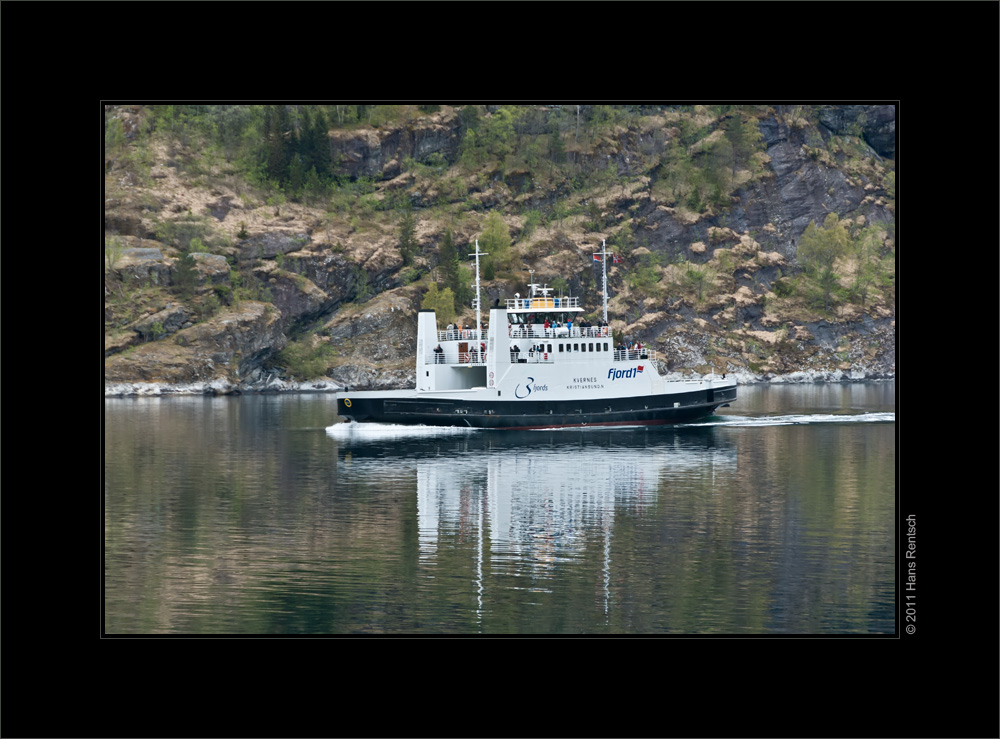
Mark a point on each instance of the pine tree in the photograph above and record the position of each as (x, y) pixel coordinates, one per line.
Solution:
(495, 240)
(442, 302)
(745, 139)
(296, 176)
(821, 246)
(468, 118)
(276, 133)
(186, 275)
(307, 139)
(407, 239)
(314, 188)
(455, 277)
(557, 148)
(321, 158)
(868, 266)
(448, 261)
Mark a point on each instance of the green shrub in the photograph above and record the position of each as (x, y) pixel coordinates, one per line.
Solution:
(183, 232)
(153, 331)
(224, 293)
(644, 280)
(442, 302)
(363, 290)
(784, 287)
(697, 277)
(305, 359)
(113, 250)
(409, 275)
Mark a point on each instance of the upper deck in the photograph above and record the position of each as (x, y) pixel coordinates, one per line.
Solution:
(540, 329)
(540, 303)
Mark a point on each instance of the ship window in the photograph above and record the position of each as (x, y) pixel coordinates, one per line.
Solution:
(591, 346)
(560, 347)
(550, 348)
(605, 346)
(576, 347)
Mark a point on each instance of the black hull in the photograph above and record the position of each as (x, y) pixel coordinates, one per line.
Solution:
(636, 411)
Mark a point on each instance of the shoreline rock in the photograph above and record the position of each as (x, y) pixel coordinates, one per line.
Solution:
(275, 385)
(215, 387)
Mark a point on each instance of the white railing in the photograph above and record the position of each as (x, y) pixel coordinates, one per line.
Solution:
(542, 303)
(537, 331)
(532, 358)
(634, 354)
(465, 334)
(547, 357)
(451, 357)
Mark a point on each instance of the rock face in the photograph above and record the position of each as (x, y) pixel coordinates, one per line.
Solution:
(778, 208)
(375, 343)
(142, 265)
(270, 244)
(877, 124)
(229, 346)
(376, 153)
(296, 297)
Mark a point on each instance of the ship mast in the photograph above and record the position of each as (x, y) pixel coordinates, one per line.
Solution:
(477, 301)
(604, 266)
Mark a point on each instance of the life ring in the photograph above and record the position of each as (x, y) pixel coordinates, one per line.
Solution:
(347, 402)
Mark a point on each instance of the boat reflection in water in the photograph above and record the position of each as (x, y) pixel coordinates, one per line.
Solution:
(525, 503)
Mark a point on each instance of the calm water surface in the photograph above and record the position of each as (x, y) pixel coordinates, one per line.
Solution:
(262, 515)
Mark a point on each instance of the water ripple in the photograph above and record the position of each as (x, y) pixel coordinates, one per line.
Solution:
(798, 420)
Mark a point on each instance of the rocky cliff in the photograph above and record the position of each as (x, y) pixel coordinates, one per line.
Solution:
(212, 283)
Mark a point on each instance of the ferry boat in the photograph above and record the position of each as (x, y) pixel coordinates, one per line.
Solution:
(539, 364)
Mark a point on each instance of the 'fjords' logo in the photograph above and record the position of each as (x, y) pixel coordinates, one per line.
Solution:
(617, 374)
(528, 387)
